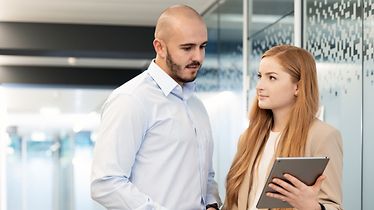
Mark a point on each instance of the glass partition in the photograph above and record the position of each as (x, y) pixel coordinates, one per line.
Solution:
(221, 83)
(333, 34)
(368, 104)
(340, 36)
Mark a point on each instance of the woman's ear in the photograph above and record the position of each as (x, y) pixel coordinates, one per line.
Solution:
(297, 89)
(159, 47)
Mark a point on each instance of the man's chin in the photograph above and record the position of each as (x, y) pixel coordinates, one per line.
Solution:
(190, 79)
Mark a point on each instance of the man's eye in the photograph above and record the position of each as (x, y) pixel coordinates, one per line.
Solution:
(186, 48)
(272, 78)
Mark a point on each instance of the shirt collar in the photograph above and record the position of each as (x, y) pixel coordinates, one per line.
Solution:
(169, 85)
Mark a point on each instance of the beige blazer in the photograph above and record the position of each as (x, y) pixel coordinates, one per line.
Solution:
(323, 140)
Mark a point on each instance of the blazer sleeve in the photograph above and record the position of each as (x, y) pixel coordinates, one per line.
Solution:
(327, 141)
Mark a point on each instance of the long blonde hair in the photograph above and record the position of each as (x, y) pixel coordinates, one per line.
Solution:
(300, 64)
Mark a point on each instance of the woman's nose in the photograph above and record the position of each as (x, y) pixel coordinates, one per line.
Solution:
(259, 84)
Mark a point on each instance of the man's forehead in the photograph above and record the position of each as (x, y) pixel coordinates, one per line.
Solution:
(193, 43)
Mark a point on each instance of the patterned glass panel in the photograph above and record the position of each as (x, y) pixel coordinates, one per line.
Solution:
(368, 104)
(333, 34)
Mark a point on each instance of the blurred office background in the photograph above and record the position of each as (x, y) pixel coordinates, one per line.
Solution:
(59, 60)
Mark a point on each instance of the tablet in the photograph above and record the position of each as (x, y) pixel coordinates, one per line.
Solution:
(306, 169)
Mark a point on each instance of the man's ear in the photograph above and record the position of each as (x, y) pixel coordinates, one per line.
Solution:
(159, 47)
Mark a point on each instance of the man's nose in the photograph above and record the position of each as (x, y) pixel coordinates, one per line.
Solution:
(199, 55)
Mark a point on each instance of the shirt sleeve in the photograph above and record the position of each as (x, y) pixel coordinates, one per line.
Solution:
(120, 193)
(212, 188)
(123, 125)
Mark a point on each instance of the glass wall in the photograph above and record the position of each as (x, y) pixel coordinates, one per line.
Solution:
(340, 36)
(368, 104)
(333, 34)
(220, 83)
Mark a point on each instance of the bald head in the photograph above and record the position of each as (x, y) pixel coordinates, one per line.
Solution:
(181, 36)
(175, 16)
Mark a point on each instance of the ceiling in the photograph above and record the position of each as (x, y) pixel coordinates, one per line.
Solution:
(25, 104)
(114, 12)
(91, 12)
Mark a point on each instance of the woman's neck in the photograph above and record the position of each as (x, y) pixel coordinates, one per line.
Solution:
(280, 119)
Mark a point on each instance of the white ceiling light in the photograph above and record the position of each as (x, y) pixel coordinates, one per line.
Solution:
(72, 60)
(11, 60)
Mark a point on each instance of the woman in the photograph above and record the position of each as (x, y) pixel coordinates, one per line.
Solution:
(283, 123)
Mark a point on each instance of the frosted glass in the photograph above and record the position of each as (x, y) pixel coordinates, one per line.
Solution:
(333, 34)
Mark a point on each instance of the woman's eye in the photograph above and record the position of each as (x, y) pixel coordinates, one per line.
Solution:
(258, 76)
(272, 78)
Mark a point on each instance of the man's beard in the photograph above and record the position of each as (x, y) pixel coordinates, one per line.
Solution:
(175, 68)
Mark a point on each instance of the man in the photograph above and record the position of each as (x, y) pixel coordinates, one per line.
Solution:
(154, 148)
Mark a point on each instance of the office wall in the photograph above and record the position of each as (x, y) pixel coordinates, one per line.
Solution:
(340, 36)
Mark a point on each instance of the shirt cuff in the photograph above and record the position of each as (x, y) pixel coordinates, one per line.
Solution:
(213, 205)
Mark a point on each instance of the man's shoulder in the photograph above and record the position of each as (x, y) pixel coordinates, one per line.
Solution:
(134, 86)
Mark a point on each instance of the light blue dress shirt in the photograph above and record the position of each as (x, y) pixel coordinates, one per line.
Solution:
(154, 147)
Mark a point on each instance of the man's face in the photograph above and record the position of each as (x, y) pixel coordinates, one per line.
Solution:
(186, 52)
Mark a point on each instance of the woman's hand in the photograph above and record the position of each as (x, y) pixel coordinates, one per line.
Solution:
(299, 195)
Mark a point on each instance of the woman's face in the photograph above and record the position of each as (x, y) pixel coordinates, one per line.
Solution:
(275, 88)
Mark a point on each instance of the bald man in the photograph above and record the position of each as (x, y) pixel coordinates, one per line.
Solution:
(154, 147)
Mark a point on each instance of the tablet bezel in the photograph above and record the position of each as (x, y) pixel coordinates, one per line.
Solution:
(306, 169)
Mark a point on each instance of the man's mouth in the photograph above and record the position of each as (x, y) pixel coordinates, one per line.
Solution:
(193, 65)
